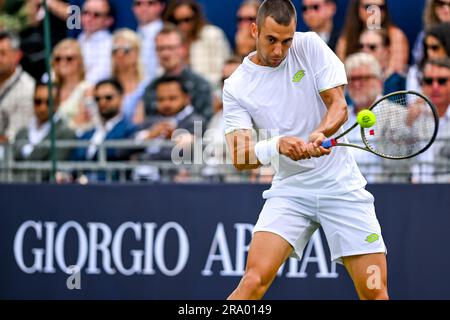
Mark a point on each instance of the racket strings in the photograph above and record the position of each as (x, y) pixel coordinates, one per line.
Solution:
(405, 126)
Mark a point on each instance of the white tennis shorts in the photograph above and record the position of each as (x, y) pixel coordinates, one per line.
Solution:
(348, 221)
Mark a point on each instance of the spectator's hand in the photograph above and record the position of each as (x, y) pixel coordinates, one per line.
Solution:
(294, 148)
(314, 147)
(82, 117)
(162, 129)
(414, 112)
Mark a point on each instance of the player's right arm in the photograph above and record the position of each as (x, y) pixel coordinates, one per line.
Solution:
(243, 155)
(238, 132)
(242, 148)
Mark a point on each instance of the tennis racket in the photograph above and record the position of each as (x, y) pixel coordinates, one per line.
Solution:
(407, 125)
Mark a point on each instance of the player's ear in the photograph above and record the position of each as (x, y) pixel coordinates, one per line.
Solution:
(254, 29)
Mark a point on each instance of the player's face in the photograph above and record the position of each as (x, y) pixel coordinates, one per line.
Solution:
(436, 85)
(273, 41)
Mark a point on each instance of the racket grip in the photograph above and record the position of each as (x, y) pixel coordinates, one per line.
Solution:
(327, 144)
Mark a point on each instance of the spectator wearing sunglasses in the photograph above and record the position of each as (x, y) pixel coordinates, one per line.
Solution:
(318, 15)
(127, 68)
(96, 39)
(148, 14)
(437, 45)
(208, 47)
(376, 43)
(360, 16)
(436, 12)
(435, 83)
(245, 17)
(30, 140)
(108, 95)
(68, 68)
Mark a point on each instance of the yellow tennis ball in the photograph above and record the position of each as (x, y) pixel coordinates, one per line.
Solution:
(366, 118)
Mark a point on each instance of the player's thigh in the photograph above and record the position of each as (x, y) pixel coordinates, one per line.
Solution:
(268, 251)
(369, 274)
(350, 224)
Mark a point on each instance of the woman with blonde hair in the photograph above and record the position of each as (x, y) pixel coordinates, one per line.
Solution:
(68, 69)
(128, 69)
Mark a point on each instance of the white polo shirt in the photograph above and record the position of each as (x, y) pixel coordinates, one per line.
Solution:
(287, 99)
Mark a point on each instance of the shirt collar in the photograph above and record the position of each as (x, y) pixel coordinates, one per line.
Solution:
(12, 78)
(154, 25)
(96, 36)
(111, 123)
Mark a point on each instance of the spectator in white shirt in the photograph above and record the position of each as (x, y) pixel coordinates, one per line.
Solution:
(435, 162)
(96, 39)
(16, 88)
(148, 14)
(365, 85)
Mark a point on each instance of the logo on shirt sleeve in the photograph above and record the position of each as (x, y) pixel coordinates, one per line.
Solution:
(298, 76)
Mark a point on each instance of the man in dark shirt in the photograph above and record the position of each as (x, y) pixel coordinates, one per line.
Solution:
(171, 53)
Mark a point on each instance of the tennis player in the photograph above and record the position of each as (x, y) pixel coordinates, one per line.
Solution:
(293, 86)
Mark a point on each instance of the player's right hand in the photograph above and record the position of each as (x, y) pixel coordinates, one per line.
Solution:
(293, 148)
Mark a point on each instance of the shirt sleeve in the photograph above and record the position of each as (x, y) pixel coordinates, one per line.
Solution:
(235, 116)
(329, 71)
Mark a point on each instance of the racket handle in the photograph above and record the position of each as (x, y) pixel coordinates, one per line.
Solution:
(327, 144)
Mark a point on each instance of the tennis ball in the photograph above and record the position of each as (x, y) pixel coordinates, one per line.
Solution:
(366, 118)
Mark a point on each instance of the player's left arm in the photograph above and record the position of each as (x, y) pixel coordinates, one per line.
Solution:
(335, 117)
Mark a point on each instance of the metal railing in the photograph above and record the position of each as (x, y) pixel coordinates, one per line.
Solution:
(206, 170)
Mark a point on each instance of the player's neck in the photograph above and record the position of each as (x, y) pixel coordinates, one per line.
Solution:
(256, 60)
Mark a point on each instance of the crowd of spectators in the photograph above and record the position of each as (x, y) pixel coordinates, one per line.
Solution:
(145, 83)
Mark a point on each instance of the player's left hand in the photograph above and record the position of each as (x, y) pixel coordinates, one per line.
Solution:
(314, 146)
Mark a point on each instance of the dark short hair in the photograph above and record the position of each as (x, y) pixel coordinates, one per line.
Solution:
(111, 11)
(170, 79)
(440, 62)
(55, 87)
(282, 11)
(199, 17)
(12, 37)
(113, 82)
(441, 32)
(170, 28)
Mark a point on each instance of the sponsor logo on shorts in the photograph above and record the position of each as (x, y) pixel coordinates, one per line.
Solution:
(372, 238)
(298, 76)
